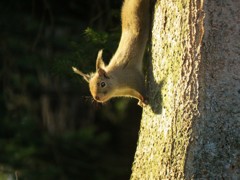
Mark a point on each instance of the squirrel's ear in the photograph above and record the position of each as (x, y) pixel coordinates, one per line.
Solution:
(102, 72)
(85, 76)
(100, 63)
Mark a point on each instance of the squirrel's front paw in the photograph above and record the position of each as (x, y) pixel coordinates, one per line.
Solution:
(143, 102)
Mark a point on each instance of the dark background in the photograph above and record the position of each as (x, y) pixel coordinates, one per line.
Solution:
(50, 127)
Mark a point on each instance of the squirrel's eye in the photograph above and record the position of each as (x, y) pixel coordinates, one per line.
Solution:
(103, 84)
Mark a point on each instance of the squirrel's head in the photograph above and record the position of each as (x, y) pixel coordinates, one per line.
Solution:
(99, 82)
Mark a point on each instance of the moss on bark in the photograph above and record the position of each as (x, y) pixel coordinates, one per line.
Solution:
(190, 129)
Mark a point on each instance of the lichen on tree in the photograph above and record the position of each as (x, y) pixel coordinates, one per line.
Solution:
(186, 50)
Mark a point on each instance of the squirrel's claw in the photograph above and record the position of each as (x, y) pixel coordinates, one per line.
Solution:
(143, 102)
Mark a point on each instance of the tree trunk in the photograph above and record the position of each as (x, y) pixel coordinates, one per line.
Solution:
(191, 128)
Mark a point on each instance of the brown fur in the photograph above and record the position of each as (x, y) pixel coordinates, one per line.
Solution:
(123, 76)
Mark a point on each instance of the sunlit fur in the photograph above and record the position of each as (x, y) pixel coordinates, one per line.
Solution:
(123, 76)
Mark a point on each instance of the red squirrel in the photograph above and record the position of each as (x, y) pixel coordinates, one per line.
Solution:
(123, 76)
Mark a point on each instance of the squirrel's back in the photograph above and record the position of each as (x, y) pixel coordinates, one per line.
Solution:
(135, 16)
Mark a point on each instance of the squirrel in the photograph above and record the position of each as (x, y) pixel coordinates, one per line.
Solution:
(123, 76)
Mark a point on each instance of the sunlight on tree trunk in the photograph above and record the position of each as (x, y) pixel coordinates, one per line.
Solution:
(190, 129)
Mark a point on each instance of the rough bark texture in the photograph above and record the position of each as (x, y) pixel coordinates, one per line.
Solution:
(215, 148)
(191, 129)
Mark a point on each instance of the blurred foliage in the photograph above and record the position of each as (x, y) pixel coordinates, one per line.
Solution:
(50, 128)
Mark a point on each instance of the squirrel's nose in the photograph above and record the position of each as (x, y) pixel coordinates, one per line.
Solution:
(97, 98)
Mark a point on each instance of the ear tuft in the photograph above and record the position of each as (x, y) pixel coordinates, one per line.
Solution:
(100, 63)
(85, 76)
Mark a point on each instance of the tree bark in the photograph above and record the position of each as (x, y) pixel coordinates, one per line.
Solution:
(191, 128)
